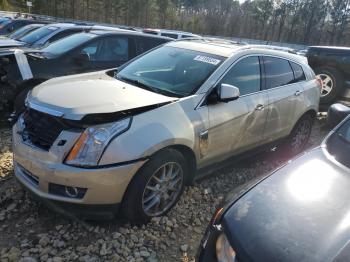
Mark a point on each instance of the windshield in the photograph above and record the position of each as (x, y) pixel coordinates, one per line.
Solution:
(68, 43)
(21, 32)
(171, 70)
(36, 35)
(4, 22)
(338, 145)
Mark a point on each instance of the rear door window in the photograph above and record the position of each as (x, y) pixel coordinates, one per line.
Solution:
(62, 34)
(245, 75)
(144, 44)
(298, 72)
(175, 36)
(108, 49)
(278, 72)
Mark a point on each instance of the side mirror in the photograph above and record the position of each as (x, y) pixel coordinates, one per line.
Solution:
(228, 93)
(82, 58)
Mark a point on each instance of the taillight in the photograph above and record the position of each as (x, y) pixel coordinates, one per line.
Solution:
(320, 82)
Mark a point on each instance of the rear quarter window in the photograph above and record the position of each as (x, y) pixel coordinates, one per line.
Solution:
(299, 74)
(278, 72)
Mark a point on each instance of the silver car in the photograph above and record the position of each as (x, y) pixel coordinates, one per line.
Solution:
(129, 139)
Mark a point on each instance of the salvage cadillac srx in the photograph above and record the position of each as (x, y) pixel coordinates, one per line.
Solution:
(129, 139)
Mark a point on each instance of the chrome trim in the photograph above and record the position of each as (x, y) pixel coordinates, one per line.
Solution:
(45, 110)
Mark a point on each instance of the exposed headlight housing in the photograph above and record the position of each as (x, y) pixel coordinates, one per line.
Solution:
(224, 251)
(90, 146)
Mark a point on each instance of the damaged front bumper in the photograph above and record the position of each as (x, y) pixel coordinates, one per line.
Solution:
(95, 192)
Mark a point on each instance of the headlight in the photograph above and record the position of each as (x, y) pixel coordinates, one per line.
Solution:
(89, 148)
(224, 251)
(29, 94)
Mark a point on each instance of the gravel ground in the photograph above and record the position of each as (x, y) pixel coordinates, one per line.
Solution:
(30, 232)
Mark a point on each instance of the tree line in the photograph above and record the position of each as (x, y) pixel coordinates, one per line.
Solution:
(313, 22)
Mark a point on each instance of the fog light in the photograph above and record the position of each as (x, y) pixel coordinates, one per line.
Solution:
(71, 191)
(67, 191)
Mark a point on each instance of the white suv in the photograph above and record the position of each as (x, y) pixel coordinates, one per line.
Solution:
(131, 139)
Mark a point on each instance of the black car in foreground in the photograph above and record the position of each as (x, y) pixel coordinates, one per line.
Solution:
(301, 212)
(78, 53)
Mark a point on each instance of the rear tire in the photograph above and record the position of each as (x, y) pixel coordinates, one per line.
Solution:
(299, 137)
(332, 83)
(155, 189)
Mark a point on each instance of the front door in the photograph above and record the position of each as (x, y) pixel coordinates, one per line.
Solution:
(238, 125)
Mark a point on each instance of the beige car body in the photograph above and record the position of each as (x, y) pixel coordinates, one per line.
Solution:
(205, 134)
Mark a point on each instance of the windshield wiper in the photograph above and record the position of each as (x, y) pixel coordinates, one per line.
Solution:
(147, 87)
(138, 83)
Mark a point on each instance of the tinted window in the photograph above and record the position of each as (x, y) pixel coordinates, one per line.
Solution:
(108, 49)
(298, 72)
(169, 35)
(245, 75)
(36, 35)
(61, 35)
(186, 36)
(278, 72)
(144, 44)
(22, 31)
(67, 44)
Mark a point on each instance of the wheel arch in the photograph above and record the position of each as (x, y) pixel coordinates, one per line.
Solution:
(311, 111)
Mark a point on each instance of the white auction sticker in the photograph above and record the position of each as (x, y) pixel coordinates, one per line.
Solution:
(23, 65)
(207, 59)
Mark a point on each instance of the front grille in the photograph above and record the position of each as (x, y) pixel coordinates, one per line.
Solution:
(41, 129)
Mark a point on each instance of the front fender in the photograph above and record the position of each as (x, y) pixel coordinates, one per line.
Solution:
(150, 132)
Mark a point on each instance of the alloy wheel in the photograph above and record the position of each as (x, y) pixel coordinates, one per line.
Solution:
(327, 84)
(301, 136)
(162, 189)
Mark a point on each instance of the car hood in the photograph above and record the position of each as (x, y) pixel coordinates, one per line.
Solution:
(10, 43)
(299, 213)
(74, 97)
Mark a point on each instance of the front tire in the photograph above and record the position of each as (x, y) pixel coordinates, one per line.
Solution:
(156, 188)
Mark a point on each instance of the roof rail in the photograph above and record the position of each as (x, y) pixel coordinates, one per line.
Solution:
(212, 40)
(273, 47)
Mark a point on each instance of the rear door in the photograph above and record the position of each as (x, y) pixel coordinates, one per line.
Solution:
(285, 97)
(238, 125)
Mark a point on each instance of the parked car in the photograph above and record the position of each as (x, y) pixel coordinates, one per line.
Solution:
(300, 212)
(78, 53)
(8, 26)
(21, 32)
(336, 113)
(302, 52)
(44, 36)
(170, 33)
(332, 65)
(130, 139)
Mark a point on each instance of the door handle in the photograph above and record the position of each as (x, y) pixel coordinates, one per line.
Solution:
(298, 93)
(259, 107)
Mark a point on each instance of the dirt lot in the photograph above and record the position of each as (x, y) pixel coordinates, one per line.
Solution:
(30, 232)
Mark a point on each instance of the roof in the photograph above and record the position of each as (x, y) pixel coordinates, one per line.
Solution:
(208, 45)
(123, 31)
(227, 48)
